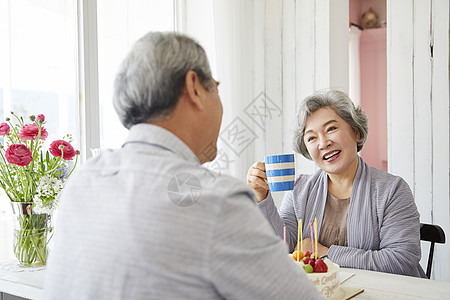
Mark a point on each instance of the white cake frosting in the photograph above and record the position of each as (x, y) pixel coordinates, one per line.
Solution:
(326, 283)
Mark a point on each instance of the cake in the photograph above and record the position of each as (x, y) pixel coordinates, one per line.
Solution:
(327, 283)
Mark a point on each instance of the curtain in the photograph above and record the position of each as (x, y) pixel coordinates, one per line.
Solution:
(263, 54)
(245, 52)
(225, 28)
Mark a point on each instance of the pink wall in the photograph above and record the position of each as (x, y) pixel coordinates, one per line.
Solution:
(373, 79)
(374, 94)
(355, 11)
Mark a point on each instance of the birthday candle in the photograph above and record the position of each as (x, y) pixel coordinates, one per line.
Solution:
(284, 233)
(298, 238)
(301, 235)
(315, 230)
(312, 237)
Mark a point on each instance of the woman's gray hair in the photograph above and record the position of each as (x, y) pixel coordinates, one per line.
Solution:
(341, 103)
(151, 77)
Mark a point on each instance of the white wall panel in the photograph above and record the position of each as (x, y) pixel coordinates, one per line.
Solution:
(440, 12)
(418, 112)
(422, 103)
(400, 90)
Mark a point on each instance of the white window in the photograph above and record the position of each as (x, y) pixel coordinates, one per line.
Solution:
(120, 23)
(39, 63)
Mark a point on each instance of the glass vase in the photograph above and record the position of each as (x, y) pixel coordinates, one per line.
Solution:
(32, 234)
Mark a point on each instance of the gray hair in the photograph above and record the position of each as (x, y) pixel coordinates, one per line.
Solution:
(341, 103)
(151, 77)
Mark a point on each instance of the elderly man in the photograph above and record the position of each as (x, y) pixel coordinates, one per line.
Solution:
(147, 221)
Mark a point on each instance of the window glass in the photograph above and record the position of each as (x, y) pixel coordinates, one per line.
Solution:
(41, 75)
(120, 23)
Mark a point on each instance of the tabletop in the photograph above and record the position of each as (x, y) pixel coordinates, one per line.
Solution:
(385, 286)
(26, 283)
(376, 285)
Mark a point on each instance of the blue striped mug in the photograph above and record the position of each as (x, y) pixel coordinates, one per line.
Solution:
(280, 172)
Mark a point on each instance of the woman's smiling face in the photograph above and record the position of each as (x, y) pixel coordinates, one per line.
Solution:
(330, 141)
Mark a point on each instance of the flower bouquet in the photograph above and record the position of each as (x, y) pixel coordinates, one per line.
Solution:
(33, 180)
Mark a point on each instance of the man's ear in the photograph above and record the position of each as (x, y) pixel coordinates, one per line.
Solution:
(194, 90)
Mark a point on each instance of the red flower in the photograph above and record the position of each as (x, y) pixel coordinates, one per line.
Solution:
(4, 128)
(18, 154)
(40, 117)
(62, 148)
(31, 131)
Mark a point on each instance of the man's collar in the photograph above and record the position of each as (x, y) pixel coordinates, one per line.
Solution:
(160, 137)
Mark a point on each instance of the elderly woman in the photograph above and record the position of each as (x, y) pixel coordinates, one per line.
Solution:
(366, 218)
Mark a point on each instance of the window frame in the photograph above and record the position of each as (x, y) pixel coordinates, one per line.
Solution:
(89, 130)
(88, 73)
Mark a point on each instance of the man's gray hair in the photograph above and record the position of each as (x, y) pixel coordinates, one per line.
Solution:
(341, 103)
(151, 77)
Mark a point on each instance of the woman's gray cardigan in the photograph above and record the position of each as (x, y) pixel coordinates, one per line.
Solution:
(383, 225)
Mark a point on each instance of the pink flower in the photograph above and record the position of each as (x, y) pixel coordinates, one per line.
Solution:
(4, 128)
(31, 131)
(62, 148)
(40, 117)
(18, 154)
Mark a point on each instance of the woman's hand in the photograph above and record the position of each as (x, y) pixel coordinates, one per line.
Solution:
(257, 180)
(307, 247)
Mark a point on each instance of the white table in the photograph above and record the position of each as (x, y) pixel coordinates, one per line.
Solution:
(376, 285)
(25, 284)
(386, 286)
